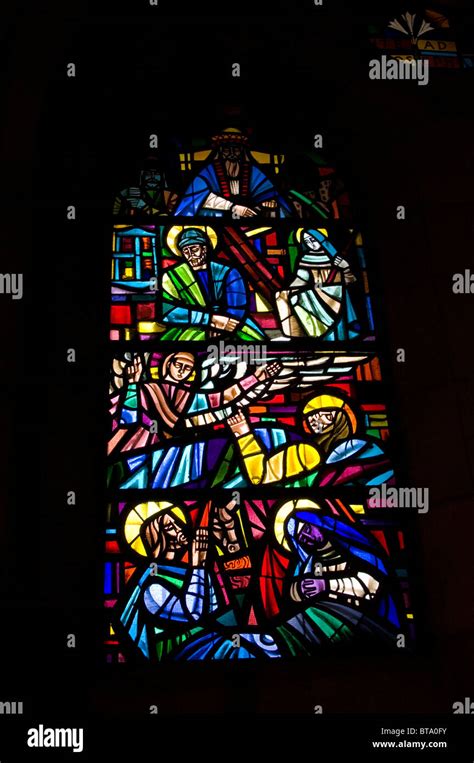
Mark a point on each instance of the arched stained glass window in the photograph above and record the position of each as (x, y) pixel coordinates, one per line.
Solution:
(250, 460)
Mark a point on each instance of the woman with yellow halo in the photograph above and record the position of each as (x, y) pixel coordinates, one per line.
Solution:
(333, 456)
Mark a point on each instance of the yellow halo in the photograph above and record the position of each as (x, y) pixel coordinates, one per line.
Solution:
(283, 513)
(140, 514)
(174, 232)
(320, 230)
(330, 401)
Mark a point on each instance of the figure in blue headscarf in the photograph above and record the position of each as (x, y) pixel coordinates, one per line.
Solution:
(338, 582)
(231, 184)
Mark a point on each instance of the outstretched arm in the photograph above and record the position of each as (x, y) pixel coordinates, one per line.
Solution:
(264, 373)
(262, 468)
(208, 407)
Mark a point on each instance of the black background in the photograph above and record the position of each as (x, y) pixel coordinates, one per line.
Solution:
(167, 70)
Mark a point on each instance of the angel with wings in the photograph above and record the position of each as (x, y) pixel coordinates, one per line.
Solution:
(192, 445)
(147, 412)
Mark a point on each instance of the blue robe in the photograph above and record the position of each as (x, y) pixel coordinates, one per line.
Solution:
(177, 598)
(190, 299)
(191, 462)
(322, 620)
(206, 182)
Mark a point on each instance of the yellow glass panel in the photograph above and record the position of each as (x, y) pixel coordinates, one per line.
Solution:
(261, 157)
(306, 503)
(248, 445)
(256, 231)
(201, 156)
(261, 304)
(132, 526)
(437, 45)
(149, 327)
(275, 467)
(138, 546)
(308, 456)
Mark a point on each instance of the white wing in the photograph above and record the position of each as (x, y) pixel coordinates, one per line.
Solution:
(306, 372)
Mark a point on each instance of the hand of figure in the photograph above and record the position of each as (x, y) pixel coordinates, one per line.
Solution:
(118, 369)
(271, 203)
(238, 424)
(126, 371)
(199, 547)
(134, 370)
(268, 371)
(239, 210)
(224, 527)
(310, 587)
(224, 323)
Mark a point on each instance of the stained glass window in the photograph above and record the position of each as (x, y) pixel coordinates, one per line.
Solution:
(248, 417)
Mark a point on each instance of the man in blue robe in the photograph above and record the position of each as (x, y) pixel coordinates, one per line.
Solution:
(232, 185)
(203, 298)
